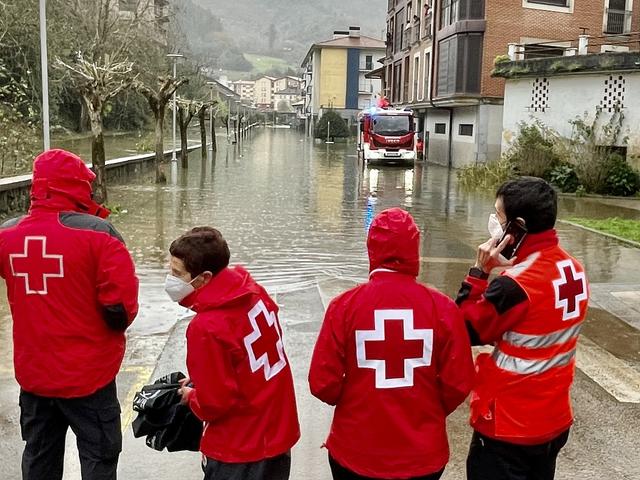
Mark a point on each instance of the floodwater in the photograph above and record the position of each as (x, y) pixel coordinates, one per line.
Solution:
(294, 212)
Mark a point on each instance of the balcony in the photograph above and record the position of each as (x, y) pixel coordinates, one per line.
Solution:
(416, 32)
(426, 32)
(617, 22)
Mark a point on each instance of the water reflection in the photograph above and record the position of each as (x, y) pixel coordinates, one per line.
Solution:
(294, 211)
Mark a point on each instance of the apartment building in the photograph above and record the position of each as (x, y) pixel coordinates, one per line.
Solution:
(335, 74)
(155, 14)
(440, 55)
(244, 88)
(263, 92)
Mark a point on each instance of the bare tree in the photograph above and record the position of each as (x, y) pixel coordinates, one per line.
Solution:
(202, 117)
(158, 100)
(97, 83)
(186, 111)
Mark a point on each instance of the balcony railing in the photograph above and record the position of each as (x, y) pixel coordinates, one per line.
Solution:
(617, 21)
(426, 31)
(416, 32)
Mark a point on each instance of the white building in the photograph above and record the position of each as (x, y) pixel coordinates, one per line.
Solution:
(244, 88)
(263, 92)
(555, 91)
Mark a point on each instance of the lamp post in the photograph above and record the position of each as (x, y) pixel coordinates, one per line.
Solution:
(174, 57)
(44, 65)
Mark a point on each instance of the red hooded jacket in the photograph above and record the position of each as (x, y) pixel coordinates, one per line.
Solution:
(243, 387)
(394, 357)
(71, 284)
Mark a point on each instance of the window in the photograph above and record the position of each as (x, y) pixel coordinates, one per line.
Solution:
(405, 86)
(460, 64)
(455, 10)
(555, 3)
(441, 128)
(465, 129)
(399, 29)
(426, 88)
(391, 125)
(369, 62)
(416, 78)
(409, 11)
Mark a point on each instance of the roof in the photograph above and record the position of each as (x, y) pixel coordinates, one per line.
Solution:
(377, 73)
(362, 42)
(289, 91)
(273, 79)
(290, 77)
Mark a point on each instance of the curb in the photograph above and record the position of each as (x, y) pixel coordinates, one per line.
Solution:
(605, 234)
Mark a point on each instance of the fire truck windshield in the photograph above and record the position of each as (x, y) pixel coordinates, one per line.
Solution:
(391, 125)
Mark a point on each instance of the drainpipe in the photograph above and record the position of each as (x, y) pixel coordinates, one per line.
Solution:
(434, 50)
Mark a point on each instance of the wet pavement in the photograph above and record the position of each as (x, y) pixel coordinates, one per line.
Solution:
(294, 213)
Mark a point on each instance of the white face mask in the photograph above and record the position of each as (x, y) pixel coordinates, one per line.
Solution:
(178, 289)
(495, 227)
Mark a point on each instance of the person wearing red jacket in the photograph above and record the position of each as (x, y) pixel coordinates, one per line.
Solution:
(73, 292)
(532, 314)
(394, 358)
(242, 383)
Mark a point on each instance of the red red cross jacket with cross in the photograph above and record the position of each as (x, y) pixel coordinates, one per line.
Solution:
(532, 314)
(243, 387)
(394, 358)
(71, 284)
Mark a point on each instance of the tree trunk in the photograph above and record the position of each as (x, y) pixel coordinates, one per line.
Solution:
(214, 143)
(227, 125)
(97, 153)
(99, 167)
(202, 113)
(184, 154)
(159, 134)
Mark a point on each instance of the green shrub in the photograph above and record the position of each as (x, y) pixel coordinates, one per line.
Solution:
(564, 177)
(532, 152)
(338, 127)
(486, 176)
(622, 180)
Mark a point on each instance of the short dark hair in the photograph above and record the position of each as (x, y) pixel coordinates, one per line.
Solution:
(201, 249)
(532, 199)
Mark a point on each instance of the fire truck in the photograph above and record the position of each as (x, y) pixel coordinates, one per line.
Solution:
(386, 136)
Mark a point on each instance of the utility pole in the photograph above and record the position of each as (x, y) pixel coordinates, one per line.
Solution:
(44, 64)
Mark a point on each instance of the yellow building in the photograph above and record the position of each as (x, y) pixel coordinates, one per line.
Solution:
(335, 72)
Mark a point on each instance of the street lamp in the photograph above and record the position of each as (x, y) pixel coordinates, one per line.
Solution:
(211, 86)
(44, 65)
(174, 57)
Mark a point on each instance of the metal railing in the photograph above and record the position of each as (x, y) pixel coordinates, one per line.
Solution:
(617, 21)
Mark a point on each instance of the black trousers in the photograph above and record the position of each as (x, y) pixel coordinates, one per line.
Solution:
(341, 473)
(276, 468)
(95, 420)
(491, 459)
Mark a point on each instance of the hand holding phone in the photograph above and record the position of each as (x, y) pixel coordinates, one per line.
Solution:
(518, 232)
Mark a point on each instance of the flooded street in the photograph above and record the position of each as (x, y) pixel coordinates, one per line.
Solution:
(294, 212)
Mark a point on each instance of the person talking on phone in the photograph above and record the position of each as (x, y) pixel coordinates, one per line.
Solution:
(531, 314)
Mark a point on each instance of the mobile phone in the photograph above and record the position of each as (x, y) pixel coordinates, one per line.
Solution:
(518, 233)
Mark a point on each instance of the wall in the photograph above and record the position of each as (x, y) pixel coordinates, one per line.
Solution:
(14, 191)
(563, 105)
(438, 151)
(464, 147)
(333, 77)
(508, 21)
(263, 91)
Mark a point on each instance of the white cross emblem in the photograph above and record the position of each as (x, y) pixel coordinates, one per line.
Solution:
(402, 345)
(570, 289)
(35, 265)
(272, 339)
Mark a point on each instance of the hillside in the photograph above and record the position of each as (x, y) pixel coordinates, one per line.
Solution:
(286, 28)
